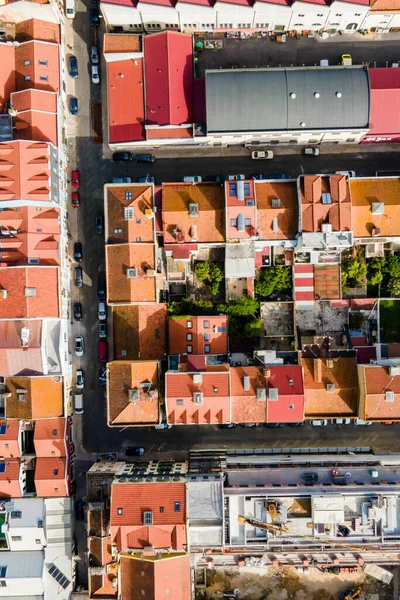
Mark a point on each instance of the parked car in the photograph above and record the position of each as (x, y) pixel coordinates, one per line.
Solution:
(73, 105)
(79, 345)
(216, 178)
(73, 66)
(145, 158)
(134, 451)
(99, 224)
(262, 155)
(260, 176)
(80, 380)
(101, 311)
(348, 173)
(94, 55)
(311, 151)
(103, 330)
(122, 180)
(78, 277)
(78, 252)
(192, 179)
(102, 351)
(75, 200)
(248, 424)
(162, 426)
(79, 510)
(78, 403)
(340, 421)
(239, 177)
(319, 422)
(77, 311)
(273, 425)
(103, 377)
(310, 477)
(346, 60)
(95, 17)
(95, 74)
(122, 156)
(300, 424)
(75, 179)
(146, 179)
(228, 425)
(361, 422)
(101, 289)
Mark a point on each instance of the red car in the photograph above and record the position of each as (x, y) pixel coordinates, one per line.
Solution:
(75, 179)
(102, 351)
(75, 200)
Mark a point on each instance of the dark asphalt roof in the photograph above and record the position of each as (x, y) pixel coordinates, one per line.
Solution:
(262, 99)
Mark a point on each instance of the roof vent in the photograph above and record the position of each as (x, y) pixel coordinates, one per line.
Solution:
(330, 387)
(378, 208)
(261, 394)
(338, 94)
(246, 383)
(198, 397)
(273, 394)
(131, 273)
(276, 203)
(389, 396)
(197, 378)
(3, 294)
(291, 382)
(275, 225)
(21, 391)
(326, 198)
(193, 209)
(302, 124)
(292, 95)
(316, 95)
(133, 395)
(291, 406)
(240, 190)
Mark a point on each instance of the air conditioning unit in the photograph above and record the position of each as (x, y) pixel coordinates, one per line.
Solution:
(193, 209)
(275, 203)
(131, 273)
(330, 387)
(261, 394)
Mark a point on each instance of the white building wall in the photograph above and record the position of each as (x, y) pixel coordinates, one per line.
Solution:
(307, 16)
(348, 16)
(164, 17)
(192, 16)
(123, 16)
(234, 16)
(381, 20)
(271, 16)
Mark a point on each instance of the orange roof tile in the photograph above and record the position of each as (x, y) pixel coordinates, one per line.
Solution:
(164, 133)
(44, 63)
(37, 115)
(51, 477)
(385, 5)
(9, 480)
(377, 189)
(286, 215)
(122, 42)
(31, 292)
(379, 405)
(211, 331)
(140, 332)
(236, 207)
(126, 100)
(43, 398)
(125, 377)
(7, 73)
(25, 171)
(342, 400)
(213, 407)
(10, 439)
(314, 212)
(139, 227)
(49, 437)
(327, 282)
(18, 360)
(245, 406)
(208, 226)
(36, 29)
(121, 288)
(153, 576)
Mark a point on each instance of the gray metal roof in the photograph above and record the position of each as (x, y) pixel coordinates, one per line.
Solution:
(260, 99)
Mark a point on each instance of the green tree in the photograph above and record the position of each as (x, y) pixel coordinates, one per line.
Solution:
(393, 286)
(254, 328)
(241, 307)
(272, 279)
(354, 270)
(392, 266)
(375, 270)
(202, 270)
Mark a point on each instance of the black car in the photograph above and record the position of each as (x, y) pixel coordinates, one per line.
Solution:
(79, 510)
(78, 277)
(95, 17)
(99, 224)
(122, 156)
(73, 66)
(103, 377)
(273, 425)
(78, 252)
(101, 289)
(134, 451)
(77, 311)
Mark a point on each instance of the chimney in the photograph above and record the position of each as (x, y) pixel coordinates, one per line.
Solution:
(246, 383)
(318, 370)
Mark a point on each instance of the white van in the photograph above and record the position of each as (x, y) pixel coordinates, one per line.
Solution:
(70, 9)
(78, 403)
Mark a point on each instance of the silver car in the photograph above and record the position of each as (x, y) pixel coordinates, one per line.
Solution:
(94, 55)
(79, 345)
(95, 74)
(80, 380)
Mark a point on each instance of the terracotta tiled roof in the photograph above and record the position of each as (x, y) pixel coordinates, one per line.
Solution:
(44, 62)
(380, 404)
(213, 406)
(315, 212)
(140, 332)
(289, 407)
(286, 215)
(37, 115)
(25, 171)
(385, 5)
(245, 406)
(122, 42)
(10, 439)
(36, 29)
(154, 576)
(31, 292)
(49, 437)
(168, 59)
(137, 198)
(121, 288)
(327, 282)
(211, 331)
(18, 360)
(101, 586)
(9, 480)
(378, 189)
(164, 133)
(210, 223)
(50, 477)
(43, 398)
(125, 378)
(126, 100)
(157, 537)
(340, 401)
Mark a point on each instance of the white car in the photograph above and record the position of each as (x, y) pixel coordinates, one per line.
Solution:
(261, 155)
(102, 311)
(236, 177)
(348, 173)
(192, 179)
(319, 422)
(361, 422)
(340, 421)
(94, 55)
(80, 380)
(79, 345)
(95, 74)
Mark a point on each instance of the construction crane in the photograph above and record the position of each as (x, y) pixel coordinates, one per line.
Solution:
(262, 525)
(352, 593)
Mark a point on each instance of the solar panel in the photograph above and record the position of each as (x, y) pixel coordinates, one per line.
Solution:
(58, 576)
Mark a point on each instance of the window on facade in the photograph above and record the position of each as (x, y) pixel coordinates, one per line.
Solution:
(43, 62)
(27, 77)
(43, 78)
(206, 349)
(206, 337)
(16, 538)
(177, 506)
(189, 349)
(3, 583)
(350, 140)
(206, 324)
(3, 572)
(189, 324)
(233, 222)
(128, 213)
(247, 189)
(232, 189)
(16, 514)
(26, 63)
(189, 337)
(128, 195)
(320, 15)
(247, 222)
